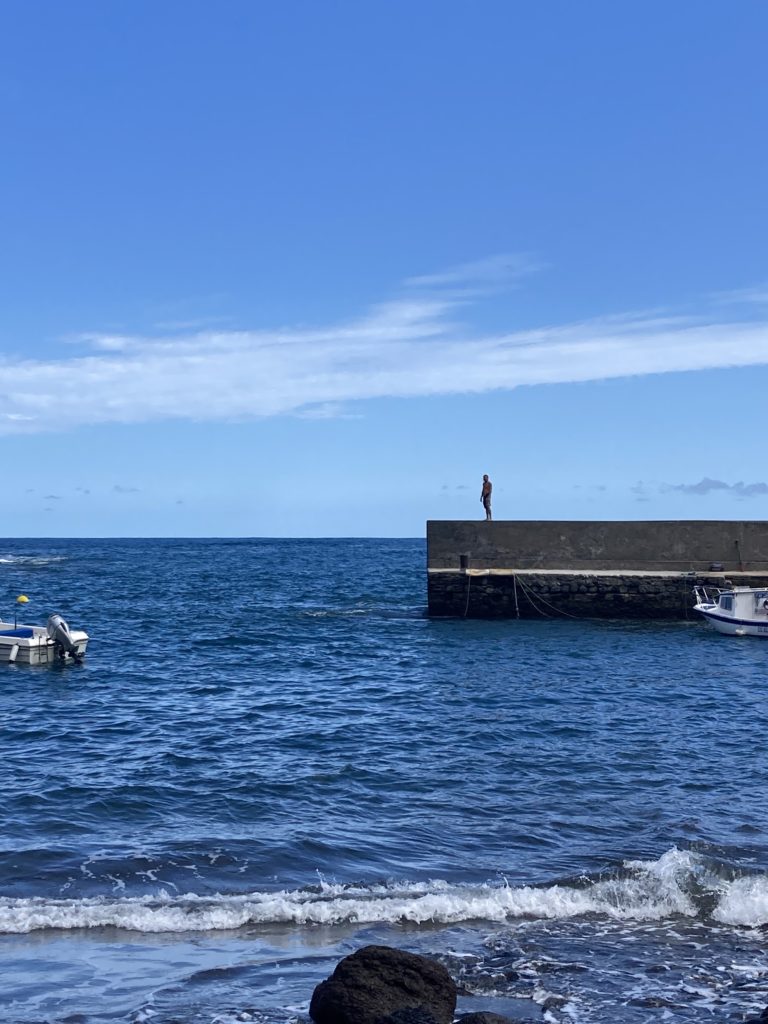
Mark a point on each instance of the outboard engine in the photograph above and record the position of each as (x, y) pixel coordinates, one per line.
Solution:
(58, 631)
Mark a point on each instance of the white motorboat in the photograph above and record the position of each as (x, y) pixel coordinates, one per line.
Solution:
(740, 611)
(42, 645)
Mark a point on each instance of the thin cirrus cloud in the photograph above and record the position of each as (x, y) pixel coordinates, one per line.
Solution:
(493, 273)
(416, 346)
(740, 296)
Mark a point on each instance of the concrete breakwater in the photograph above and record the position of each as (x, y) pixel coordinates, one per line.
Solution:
(638, 570)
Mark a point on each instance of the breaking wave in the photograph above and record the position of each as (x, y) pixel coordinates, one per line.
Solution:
(679, 883)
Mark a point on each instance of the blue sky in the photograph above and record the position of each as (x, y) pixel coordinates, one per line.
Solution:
(311, 269)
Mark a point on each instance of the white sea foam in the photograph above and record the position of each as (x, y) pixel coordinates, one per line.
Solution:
(745, 902)
(39, 560)
(645, 891)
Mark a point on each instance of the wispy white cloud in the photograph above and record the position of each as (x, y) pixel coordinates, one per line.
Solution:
(194, 324)
(410, 347)
(493, 272)
(750, 296)
(108, 342)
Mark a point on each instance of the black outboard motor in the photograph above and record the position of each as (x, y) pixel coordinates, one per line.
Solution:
(58, 631)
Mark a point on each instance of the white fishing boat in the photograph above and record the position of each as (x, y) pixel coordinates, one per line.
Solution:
(741, 611)
(41, 645)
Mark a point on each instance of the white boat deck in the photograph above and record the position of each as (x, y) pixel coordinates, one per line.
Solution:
(31, 645)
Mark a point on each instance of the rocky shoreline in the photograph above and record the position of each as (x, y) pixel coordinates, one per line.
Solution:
(384, 985)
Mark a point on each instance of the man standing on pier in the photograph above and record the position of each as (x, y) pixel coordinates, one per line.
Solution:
(485, 497)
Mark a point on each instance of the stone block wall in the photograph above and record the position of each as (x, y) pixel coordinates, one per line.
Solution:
(528, 595)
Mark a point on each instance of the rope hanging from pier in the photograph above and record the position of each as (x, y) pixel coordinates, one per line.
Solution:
(527, 591)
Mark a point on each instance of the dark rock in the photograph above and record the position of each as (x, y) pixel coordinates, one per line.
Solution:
(483, 1017)
(408, 1017)
(378, 981)
(554, 1001)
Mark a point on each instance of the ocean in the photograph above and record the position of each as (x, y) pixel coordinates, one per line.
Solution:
(272, 757)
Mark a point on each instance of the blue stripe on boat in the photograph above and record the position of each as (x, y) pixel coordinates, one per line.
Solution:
(729, 618)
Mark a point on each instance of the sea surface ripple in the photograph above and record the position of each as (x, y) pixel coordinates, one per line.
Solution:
(271, 734)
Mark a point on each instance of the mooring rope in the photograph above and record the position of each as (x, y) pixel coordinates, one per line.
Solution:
(532, 601)
(543, 600)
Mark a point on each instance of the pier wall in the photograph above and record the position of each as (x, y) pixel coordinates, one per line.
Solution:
(622, 570)
(491, 594)
(681, 544)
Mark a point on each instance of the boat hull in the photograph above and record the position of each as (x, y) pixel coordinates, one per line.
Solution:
(37, 648)
(731, 626)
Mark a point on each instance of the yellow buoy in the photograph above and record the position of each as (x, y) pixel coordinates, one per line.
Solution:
(22, 599)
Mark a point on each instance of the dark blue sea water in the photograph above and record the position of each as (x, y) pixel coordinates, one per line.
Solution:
(271, 757)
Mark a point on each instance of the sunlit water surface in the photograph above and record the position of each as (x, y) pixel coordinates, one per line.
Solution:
(271, 757)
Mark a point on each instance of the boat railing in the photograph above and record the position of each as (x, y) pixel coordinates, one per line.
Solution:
(708, 595)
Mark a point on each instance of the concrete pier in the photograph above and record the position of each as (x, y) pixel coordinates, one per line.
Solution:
(560, 569)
